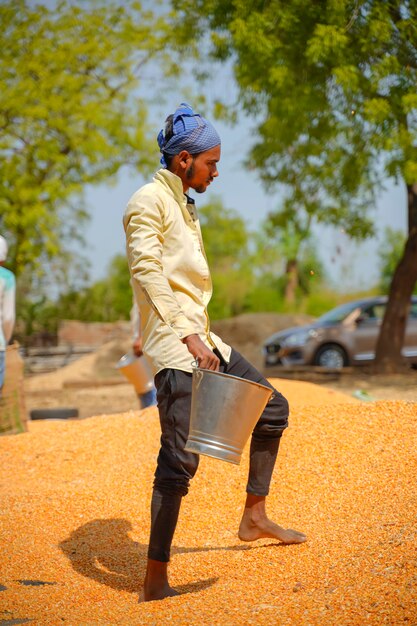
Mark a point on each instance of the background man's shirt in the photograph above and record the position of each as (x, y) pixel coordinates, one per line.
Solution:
(170, 275)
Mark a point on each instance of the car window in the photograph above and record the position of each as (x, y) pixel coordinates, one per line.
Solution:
(367, 313)
(379, 311)
(413, 311)
(374, 312)
(339, 313)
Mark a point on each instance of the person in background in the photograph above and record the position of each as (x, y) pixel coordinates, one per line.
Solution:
(149, 397)
(7, 308)
(172, 285)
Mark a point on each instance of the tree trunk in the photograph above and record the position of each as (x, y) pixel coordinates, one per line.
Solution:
(291, 285)
(388, 357)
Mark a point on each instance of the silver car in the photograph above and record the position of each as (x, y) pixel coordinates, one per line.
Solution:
(346, 335)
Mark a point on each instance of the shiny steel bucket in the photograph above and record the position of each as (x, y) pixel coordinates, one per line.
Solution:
(224, 411)
(137, 371)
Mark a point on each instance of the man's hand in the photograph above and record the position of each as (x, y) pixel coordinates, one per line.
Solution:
(137, 347)
(202, 354)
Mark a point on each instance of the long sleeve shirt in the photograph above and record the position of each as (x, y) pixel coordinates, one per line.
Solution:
(169, 271)
(7, 306)
(135, 321)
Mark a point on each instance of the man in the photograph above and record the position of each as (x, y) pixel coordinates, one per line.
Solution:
(7, 308)
(147, 398)
(171, 280)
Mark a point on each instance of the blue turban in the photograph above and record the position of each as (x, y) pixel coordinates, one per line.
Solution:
(191, 132)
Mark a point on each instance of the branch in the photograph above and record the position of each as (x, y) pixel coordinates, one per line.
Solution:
(353, 18)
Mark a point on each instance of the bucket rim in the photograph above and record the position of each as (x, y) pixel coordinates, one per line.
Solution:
(127, 359)
(223, 375)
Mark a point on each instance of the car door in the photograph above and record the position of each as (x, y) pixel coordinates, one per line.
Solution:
(366, 331)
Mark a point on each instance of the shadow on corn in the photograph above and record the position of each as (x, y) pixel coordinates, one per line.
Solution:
(102, 550)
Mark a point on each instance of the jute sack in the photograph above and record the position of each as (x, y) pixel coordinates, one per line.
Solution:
(13, 417)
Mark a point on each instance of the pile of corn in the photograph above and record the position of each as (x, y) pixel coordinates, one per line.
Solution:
(74, 523)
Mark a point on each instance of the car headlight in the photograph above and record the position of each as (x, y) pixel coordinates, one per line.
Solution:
(298, 339)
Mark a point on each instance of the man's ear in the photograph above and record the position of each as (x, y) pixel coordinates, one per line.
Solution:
(184, 159)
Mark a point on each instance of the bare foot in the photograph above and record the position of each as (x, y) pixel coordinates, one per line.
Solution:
(249, 531)
(256, 525)
(156, 586)
(151, 592)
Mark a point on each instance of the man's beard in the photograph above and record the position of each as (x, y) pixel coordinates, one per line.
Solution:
(189, 174)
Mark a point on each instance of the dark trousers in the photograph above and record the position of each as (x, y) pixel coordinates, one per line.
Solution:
(176, 467)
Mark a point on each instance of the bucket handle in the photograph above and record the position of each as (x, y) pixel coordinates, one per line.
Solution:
(197, 374)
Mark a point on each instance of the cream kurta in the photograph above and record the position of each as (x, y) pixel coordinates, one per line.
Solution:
(170, 276)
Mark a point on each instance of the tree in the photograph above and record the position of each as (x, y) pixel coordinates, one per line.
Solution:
(390, 254)
(70, 115)
(106, 300)
(292, 234)
(333, 87)
(285, 264)
(226, 244)
(249, 269)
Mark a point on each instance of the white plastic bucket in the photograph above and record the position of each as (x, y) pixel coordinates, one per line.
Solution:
(137, 371)
(224, 411)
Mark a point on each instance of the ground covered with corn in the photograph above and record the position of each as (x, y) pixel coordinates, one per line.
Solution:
(74, 522)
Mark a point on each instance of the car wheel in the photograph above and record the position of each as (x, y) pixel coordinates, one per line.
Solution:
(53, 414)
(332, 356)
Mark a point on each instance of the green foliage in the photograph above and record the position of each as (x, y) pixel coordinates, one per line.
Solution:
(247, 273)
(319, 302)
(266, 256)
(280, 241)
(225, 235)
(35, 316)
(248, 269)
(323, 300)
(332, 86)
(311, 272)
(69, 116)
(390, 253)
(106, 300)
(265, 296)
(226, 241)
(229, 291)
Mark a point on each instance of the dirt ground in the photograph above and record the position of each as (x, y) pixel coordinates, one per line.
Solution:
(111, 397)
(378, 387)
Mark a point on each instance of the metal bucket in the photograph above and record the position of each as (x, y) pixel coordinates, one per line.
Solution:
(137, 371)
(224, 411)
